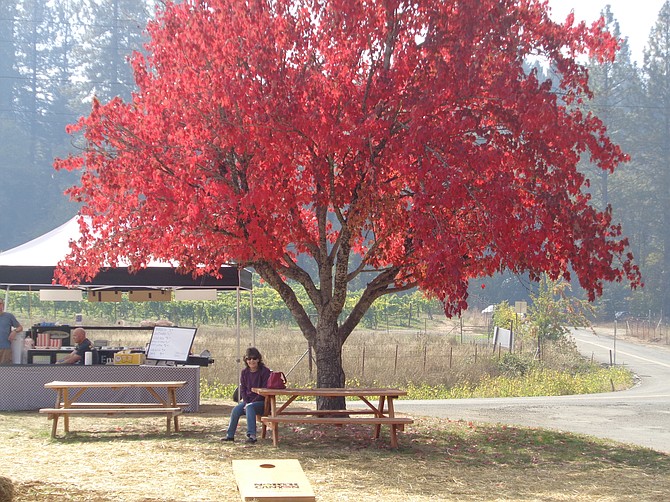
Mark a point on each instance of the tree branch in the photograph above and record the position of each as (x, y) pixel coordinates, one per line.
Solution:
(270, 275)
(293, 271)
(375, 289)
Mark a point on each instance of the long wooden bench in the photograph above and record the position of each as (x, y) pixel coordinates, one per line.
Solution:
(326, 412)
(396, 423)
(85, 405)
(171, 413)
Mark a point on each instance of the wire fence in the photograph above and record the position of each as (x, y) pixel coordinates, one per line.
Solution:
(375, 357)
(644, 330)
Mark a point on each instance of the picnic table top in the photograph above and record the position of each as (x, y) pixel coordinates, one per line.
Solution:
(330, 392)
(64, 384)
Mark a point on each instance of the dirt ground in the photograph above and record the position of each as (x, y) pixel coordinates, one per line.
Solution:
(119, 459)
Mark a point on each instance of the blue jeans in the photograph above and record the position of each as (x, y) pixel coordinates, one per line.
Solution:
(252, 409)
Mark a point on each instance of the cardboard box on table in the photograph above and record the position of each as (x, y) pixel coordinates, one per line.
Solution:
(121, 358)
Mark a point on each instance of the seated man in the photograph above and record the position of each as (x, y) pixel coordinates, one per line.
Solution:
(83, 346)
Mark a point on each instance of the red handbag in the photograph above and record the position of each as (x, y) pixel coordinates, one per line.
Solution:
(277, 380)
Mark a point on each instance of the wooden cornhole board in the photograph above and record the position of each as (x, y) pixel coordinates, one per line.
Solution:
(267, 480)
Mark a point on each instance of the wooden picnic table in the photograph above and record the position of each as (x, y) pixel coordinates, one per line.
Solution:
(381, 413)
(67, 403)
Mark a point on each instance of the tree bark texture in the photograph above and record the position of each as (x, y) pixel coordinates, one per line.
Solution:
(329, 365)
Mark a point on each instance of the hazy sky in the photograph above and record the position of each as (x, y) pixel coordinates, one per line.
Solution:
(635, 17)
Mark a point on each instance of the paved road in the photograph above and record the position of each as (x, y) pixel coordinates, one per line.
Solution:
(640, 415)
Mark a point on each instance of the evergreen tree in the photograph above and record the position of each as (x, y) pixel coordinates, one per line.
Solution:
(656, 158)
(42, 45)
(617, 90)
(113, 30)
(7, 59)
(53, 56)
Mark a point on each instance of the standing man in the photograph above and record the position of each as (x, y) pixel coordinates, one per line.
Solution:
(83, 345)
(9, 327)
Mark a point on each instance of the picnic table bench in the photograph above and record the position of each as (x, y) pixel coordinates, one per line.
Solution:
(67, 404)
(382, 413)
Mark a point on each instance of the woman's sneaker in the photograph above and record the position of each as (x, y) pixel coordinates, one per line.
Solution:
(227, 439)
(251, 439)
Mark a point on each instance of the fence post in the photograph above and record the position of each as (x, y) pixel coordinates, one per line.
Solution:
(511, 336)
(475, 353)
(395, 364)
(451, 355)
(425, 351)
(363, 363)
(310, 359)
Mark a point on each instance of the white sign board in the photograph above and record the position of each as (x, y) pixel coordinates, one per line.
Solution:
(169, 343)
(502, 337)
(61, 295)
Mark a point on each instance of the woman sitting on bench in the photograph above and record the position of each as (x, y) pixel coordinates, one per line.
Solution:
(255, 374)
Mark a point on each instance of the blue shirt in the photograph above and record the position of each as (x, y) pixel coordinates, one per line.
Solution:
(7, 321)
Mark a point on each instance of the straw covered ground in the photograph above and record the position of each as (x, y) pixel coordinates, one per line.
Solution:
(121, 459)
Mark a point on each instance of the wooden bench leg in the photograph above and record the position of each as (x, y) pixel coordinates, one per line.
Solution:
(176, 423)
(275, 434)
(380, 407)
(378, 430)
(54, 425)
(394, 436)
(65, 400)
(267, 410)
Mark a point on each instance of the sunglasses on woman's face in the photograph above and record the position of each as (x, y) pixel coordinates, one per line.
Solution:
(252, 359)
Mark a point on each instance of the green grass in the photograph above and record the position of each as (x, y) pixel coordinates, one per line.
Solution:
(535, 382)
(546, 382)
(216, 390)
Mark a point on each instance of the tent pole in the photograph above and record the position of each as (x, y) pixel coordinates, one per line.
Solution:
(253, 323)
(239, 355)
(237, 326)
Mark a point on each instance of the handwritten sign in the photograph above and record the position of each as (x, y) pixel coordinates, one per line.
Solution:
(169, 343)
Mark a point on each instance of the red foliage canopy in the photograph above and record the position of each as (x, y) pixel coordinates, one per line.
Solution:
(408, 133)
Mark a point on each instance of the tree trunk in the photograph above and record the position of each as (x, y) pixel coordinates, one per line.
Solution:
(329, 373)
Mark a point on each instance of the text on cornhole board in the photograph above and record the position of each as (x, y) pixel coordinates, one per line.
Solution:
(267, 480)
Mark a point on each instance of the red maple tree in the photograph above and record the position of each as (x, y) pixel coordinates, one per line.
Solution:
(406, 134)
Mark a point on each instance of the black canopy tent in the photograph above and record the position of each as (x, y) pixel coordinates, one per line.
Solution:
(34, 277)
(31, 266)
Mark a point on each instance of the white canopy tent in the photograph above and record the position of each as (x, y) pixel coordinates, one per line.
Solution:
(31, 266)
